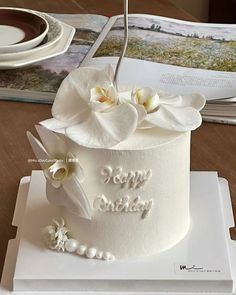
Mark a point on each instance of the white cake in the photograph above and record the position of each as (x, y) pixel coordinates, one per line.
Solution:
(129, 198)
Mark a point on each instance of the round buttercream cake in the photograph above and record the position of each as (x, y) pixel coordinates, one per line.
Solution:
(139, 192)
(118, 166)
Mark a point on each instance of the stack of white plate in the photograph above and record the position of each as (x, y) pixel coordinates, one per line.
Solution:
(28, 36)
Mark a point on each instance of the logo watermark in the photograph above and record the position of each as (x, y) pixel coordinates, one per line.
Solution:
(197, 269)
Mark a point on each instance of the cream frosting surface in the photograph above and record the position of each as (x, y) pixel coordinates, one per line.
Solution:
(147, 138)
(139, 193)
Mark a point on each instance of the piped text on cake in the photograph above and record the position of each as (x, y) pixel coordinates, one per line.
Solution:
(131, 179)
(124, 204)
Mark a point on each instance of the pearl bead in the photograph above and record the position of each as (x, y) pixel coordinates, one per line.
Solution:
(81, 249)
(71, 245)
(99, 254)
(112, 257)
(91, 252)
(107, 256)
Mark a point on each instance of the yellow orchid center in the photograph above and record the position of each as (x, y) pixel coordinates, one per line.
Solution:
(104, 98)
(146, 98)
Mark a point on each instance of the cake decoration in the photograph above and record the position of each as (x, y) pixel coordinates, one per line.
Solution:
(131, 179)
(168, 111)
(56, 237)
(62, 170)
(124, 204)
(87, 109)
(90, 111)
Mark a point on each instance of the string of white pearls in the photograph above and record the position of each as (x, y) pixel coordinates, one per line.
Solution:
(72, 245)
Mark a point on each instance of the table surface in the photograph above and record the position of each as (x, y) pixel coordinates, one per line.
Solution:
(213, 145)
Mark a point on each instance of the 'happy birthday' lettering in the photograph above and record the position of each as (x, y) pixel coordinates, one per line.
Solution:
(124, 204)
(132, 179)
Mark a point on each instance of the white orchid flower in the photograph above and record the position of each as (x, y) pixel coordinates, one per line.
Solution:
(62, 170)
(87, 109)
(146, 98)
(172, 112)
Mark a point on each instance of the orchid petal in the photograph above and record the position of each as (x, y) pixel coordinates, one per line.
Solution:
(171, 99)
(152, 103)
(55, 125)
(77, 197)
(55, 183)
(105, 129)
(142, 113)
(109, 71)
(175, 118)
(112, 93)
(40, 152)
(52, 142)
(194, 100)
(126, 97)
(73, 96)
(99, 107)
(59, 197)
(71, 195)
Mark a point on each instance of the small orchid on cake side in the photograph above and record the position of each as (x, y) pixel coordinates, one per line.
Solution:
(62, 172)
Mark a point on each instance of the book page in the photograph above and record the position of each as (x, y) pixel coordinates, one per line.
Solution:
(176, 56)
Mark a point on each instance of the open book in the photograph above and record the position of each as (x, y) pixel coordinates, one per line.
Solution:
(176, 56)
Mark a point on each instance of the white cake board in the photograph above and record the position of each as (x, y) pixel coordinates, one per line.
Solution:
(207, 245)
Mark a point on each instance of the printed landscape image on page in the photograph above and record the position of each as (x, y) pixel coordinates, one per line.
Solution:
(174, 55)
